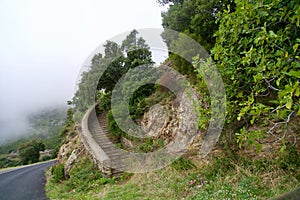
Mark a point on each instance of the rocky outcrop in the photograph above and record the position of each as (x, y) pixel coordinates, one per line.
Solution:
(70, 162)
(70, 151)
(126, 142)
(173, 122)
(160, 122)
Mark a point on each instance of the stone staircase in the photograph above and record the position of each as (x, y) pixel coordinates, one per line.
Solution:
(98, 129)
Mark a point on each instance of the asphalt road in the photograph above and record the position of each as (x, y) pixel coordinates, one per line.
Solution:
(27, 183)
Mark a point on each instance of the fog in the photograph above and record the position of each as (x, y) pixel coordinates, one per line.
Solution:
(44, 44)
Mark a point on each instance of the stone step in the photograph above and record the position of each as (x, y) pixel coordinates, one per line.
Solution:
(101, 137)
(113, 151)
(118, 163)
(111, 147)
(118, 167)
(103, 140)
(105, 144)
(115, 156)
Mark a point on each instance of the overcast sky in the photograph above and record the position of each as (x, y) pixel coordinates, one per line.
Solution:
(43, 44)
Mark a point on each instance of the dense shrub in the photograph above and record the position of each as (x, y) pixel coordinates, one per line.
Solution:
(58, 173)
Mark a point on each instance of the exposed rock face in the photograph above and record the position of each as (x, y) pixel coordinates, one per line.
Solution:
(175, 124)
(64, 152)
(155, 120)
(127, 143)
(186, 129)
(70, 151)
(69, 164)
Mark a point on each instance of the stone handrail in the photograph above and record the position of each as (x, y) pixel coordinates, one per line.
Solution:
(99, 156)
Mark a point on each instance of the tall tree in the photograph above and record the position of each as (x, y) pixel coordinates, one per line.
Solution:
(115, 62)
(197, 19)
(133, 52)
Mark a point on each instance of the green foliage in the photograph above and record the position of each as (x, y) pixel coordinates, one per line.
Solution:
(70, 121)
(12, 146)
(195, 18)
(138, 104)
(223, 178)
(47, 157)
(257, 54)
(234, 181)
(58, 173)
(183, 164)
(289, 160)
(83, 174)
(30, 151)
(9, 161)
(104, 101)
(219, 167)
(113, 127)
(68, 124)
(246, 189)
(250, 138)
(68, 129)
(84, 181)
(149, 145)
(165, 2)
(106, 70)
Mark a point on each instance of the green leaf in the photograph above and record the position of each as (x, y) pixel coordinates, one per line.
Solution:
(294, 73)
(297, 92)
(289, 104)
(272, 34)
(278, 81)
(295, 47)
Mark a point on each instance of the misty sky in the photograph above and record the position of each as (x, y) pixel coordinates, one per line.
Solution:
(43, 44)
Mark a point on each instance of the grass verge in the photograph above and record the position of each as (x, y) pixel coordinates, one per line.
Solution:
(188, 178)
(84, 181)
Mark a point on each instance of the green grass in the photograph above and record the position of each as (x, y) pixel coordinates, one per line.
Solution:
(84, 182)
(224, 178)
(228, 181)
(164, 184)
